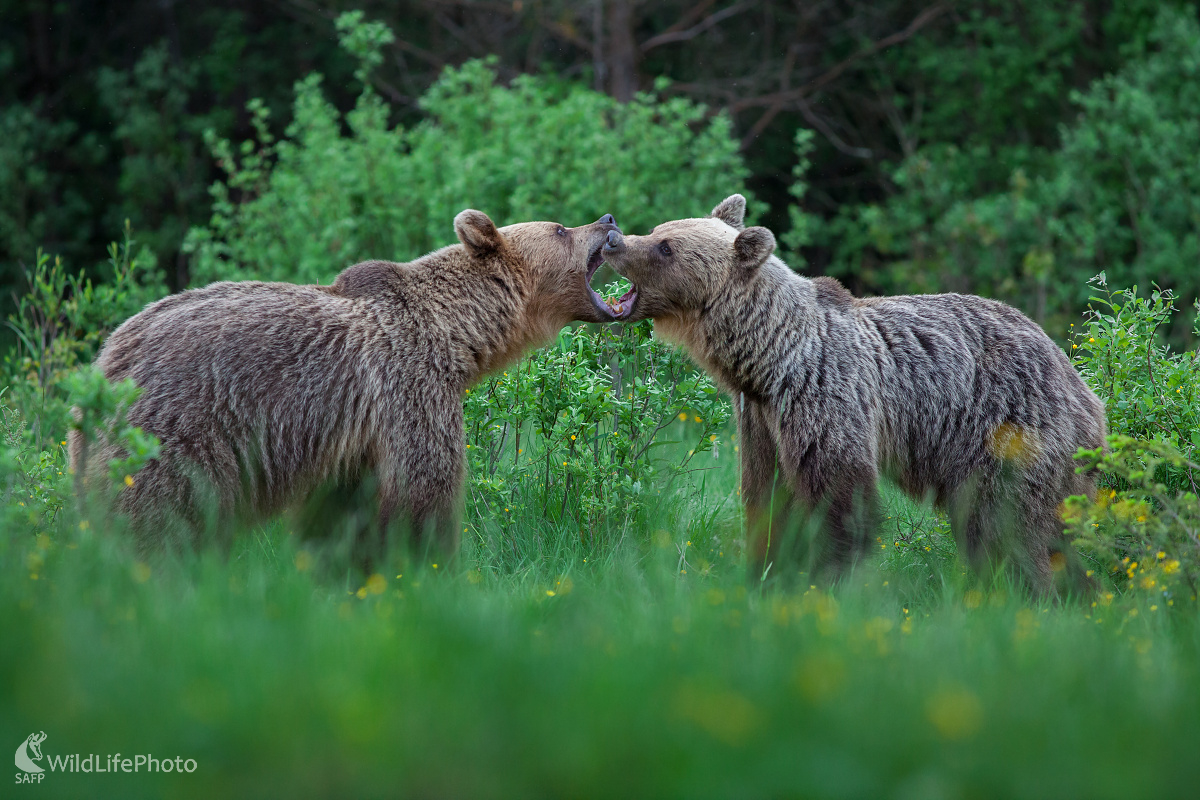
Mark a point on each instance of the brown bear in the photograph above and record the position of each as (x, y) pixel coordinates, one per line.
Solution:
(262, 392)
(951, 396)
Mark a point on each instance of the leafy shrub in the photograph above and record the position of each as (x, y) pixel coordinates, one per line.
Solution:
(101, 408)
(304, 207)
(1145, 534)
(60, 323)
(1143, 527)
(1118, 193)
(163, 171)
(571, 434)
(1151, 391)
(33, 486)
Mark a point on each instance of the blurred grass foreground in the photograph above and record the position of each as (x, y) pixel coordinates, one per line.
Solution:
(646, 668)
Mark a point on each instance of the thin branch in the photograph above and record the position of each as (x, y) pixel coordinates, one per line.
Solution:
(457, 32)
(693, 14)
(761, 125)
(669, 36)
(564, 32)
(790, 96)
(823, 128)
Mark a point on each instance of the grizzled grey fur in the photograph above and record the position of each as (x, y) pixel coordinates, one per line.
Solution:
(263, 392)
(952, 396)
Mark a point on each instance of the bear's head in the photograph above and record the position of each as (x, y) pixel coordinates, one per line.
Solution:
(559, 263)
(686, 265)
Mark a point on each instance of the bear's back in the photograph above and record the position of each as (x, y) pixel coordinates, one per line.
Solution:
(247, 326)
(286, 375)
(957, 366)
(970, 344)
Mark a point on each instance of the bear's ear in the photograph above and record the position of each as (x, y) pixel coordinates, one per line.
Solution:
(731, 211)
(752, 247)
(477, 232)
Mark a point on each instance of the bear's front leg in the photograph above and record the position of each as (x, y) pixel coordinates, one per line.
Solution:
(766, 496)
(420, 480)
(834, 478)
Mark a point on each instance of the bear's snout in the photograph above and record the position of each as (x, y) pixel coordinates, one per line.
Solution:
(613, 241)
(607, 219)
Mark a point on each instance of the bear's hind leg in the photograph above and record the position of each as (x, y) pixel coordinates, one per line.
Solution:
(420, 484)
(1003, 521)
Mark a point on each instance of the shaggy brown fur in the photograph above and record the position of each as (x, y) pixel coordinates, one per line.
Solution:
(952, 396)
(261, 392)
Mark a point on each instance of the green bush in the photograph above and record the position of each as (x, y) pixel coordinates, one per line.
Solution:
(1118, 193)
(1142, 530)
(1151, 391)
(60, 323)
(576, 436)
(163, 169)
(339, 189)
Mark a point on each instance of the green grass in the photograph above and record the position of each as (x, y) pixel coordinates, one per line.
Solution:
(542, 665)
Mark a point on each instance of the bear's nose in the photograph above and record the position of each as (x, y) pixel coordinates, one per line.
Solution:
(613, 240)
(607, 219)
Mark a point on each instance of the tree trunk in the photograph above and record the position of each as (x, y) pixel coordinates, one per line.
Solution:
(622, 50)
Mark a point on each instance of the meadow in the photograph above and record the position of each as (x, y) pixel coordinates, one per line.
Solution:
(601, 632)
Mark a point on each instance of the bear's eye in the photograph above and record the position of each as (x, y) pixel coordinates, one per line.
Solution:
(561, 231)
(665, 249)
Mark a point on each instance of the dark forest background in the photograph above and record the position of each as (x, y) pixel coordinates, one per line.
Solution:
(1004, 148)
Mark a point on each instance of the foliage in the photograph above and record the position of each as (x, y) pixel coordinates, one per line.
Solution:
(33, 488)
(1145, 535)
(306, 206)
(60, 322)
(162, 168)
(1142, 528)
(103, 113)
(100, 411)
(1151, 391)
(571, 435)
(36, 202)
(1117, 192)
(615, 676)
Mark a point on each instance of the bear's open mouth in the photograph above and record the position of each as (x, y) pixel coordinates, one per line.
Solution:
(619, 308)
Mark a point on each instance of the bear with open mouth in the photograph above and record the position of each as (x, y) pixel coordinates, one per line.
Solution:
(955, 397)
(261, 393)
